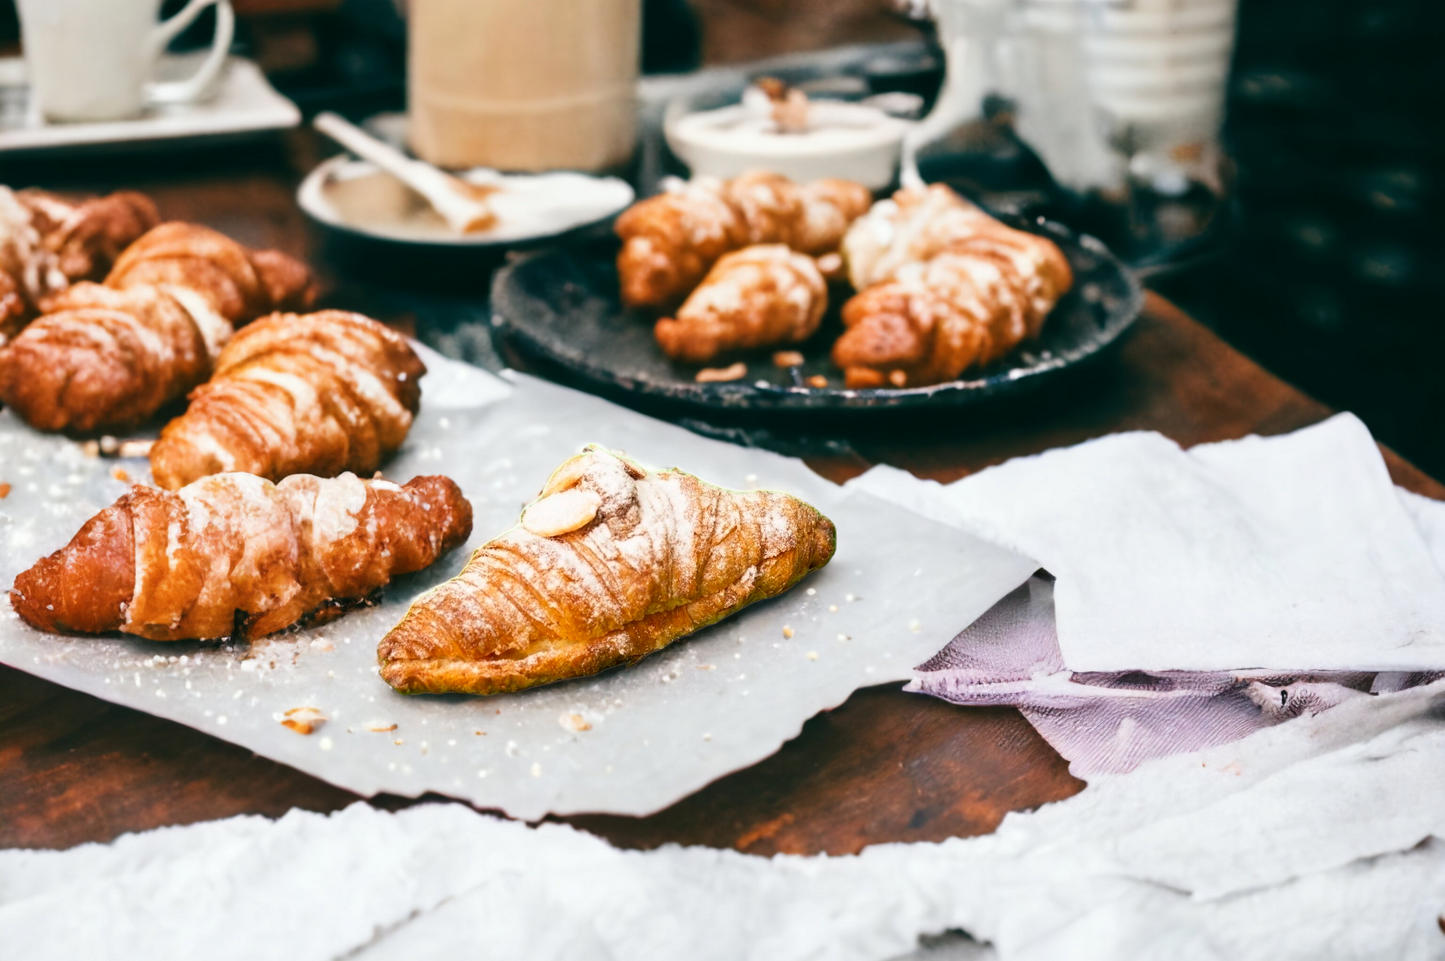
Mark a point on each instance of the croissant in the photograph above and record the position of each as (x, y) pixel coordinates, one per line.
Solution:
(109, 359)
(918, 223)
(85, 238)
(945, 288)
(754, 297)
(234, 554)
(48, 243)
(239, 283)
(318, 393)
(609, 565)
(670, 241)
(966, 307)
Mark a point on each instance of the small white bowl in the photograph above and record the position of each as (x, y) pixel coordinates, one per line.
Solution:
(852, 141)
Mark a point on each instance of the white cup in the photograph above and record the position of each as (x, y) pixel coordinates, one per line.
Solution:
(92, 60)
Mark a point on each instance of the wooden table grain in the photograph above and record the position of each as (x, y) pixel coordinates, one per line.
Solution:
(884, 766)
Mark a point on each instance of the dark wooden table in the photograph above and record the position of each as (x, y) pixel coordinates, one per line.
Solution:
(885, 766)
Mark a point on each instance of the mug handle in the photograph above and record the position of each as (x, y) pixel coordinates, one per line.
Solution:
(184, 91)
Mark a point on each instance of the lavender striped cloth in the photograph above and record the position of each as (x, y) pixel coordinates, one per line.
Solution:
(1110, 722)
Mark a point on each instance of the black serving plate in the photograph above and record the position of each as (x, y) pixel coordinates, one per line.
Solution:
(562, 306)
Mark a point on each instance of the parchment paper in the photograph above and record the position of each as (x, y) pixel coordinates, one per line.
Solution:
(630, 741)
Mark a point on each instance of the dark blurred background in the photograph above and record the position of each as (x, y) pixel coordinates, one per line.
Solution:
(1330, 271)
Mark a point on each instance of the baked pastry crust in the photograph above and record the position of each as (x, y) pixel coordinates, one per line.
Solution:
(239, 283)
(48, 243)
(754, 297)
(610, 564)
(943, 287)
(670, 241)
(317, 393)
(110, 359)
(235, 554)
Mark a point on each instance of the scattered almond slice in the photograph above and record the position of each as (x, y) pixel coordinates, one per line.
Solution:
(120, 474)
(303, 720)
(787, 631)
(380, 728)
(574, 722)
(135, 448)
(817, 380)
(831, 266)
(717, 375)
(561, 513)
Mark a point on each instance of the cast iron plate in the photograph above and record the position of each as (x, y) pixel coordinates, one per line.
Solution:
(562, 305)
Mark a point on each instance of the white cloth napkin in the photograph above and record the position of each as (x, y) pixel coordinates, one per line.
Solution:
(1314, 839)
(1282, 553)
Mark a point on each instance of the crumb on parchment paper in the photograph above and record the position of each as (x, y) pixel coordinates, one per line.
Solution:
(303, 720)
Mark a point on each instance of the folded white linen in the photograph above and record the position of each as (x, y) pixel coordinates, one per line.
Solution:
(1189, 857)
(1282, 553)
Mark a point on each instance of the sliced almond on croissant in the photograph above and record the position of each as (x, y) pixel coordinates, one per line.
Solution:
(561, 513)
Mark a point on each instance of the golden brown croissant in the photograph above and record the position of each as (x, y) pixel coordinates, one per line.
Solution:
(950, 289)
(670, 241)
(918, 223)
(609, 565)
(87, 237)
(236, 554)
(754, 297)
(48, 243)
(317, 393)
(109, 359)
(965, 307)
(241, 284)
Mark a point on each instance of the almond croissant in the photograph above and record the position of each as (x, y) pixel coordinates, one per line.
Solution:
(109, 359)
(754, 297)
(234, 554)
(241, 284)
(319, 393)
(609, 565)
(670, 241)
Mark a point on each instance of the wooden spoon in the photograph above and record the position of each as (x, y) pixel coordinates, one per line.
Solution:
(461, 204)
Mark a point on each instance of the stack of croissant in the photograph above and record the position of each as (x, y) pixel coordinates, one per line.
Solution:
(941, 286)
(260, 520)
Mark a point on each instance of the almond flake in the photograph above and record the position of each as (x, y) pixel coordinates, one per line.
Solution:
(303, 720)
(562, 513)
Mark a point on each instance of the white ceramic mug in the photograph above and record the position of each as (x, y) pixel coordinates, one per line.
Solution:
(93, 60)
